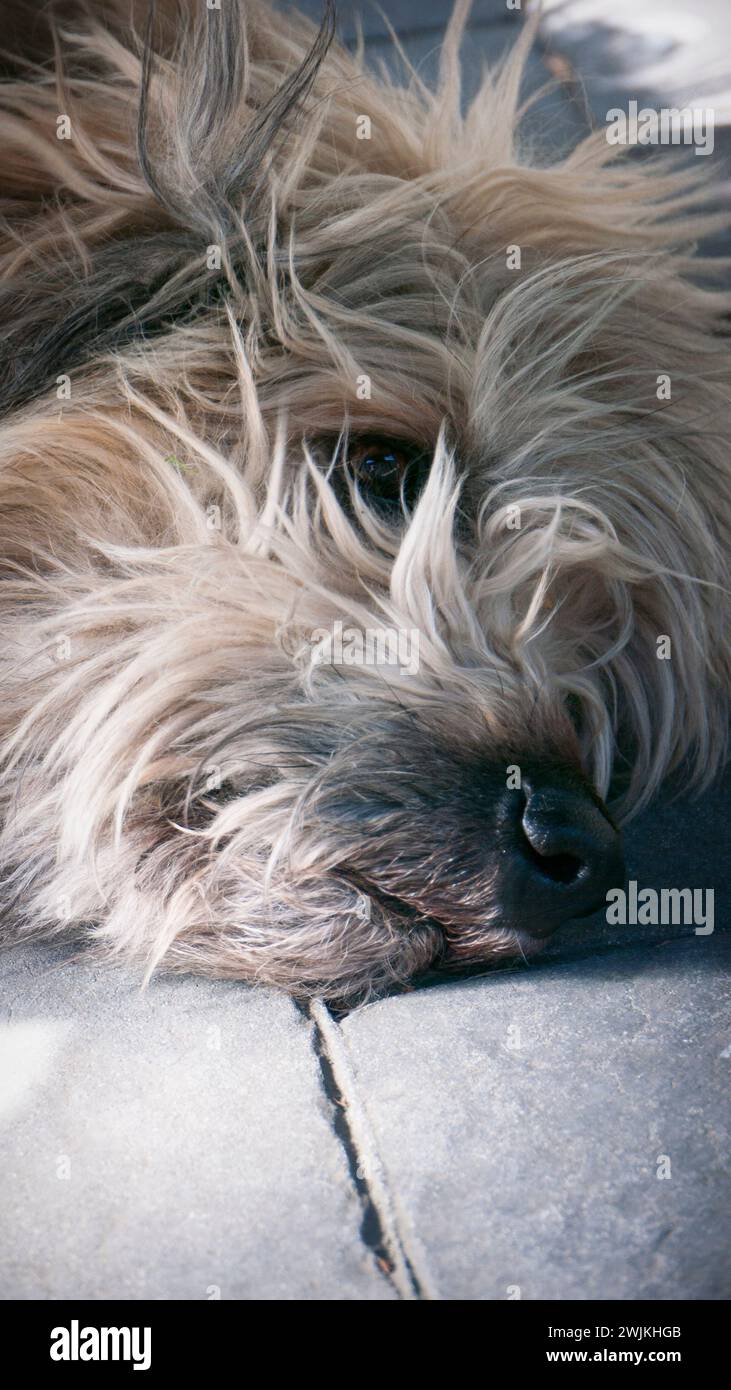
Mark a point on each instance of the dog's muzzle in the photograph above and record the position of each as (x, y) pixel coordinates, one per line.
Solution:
(494, 867)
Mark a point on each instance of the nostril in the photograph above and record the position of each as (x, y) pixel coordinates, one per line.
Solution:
(559, 868)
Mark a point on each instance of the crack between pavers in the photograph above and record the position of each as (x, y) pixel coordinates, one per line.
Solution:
(381, 1232)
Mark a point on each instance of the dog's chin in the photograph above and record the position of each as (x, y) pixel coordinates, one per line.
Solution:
(465, 944)
(497, 945)
(492, 946)
(526, 944)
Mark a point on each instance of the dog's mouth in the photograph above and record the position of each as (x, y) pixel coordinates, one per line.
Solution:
(393, 906)
(462, 943)
(494, 871)
(466, 938)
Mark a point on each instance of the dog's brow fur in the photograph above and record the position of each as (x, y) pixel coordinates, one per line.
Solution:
(193, 288)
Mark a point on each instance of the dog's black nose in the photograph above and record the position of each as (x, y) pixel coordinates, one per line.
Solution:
(567, 854)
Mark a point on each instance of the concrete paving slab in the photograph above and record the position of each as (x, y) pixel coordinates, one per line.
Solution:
(559, 1132)
(406, 16)
(673, 844)
(677, 51)
(661, 54)
(171, 1144)
(555, 121)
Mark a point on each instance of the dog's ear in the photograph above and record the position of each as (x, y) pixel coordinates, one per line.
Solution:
(225, 135)
(205, 142)
(204, 137)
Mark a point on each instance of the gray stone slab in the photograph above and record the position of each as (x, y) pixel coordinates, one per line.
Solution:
(673, 844)
(662, 51)
(685, 842)
(406, 16)
(555, 120)
(558, 116)
(660, 54)
(522, 1121)
(170, 1144)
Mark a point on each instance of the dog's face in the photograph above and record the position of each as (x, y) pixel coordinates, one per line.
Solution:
(383, 514)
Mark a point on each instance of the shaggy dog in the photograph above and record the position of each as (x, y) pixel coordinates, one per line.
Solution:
(292, 356)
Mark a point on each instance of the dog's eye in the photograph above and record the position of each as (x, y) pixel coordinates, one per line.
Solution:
(389, 473)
